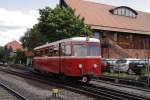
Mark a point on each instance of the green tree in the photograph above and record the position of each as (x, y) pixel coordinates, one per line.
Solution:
(61, 23)
(55, 24)
(20, 57)
(33, 38)
(7, 52)
(1, 53)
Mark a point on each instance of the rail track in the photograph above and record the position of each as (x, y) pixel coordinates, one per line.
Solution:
(121, 85)
(7, 93)
(114, 94)
(124, 81)
(96, 91)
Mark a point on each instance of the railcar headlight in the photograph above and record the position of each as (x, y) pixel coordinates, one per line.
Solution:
(80, 66)
(95, 66)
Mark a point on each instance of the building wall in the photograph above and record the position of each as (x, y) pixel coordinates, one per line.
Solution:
(136, 45)
(130, 41)
(139, 53)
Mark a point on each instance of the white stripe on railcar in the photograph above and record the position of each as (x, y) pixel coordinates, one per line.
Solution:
(69, 40)
(64, 57)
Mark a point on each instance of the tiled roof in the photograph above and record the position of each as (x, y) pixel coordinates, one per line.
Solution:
(98, 16)
(14, 45)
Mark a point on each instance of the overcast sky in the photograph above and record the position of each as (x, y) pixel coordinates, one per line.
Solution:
(16, 16)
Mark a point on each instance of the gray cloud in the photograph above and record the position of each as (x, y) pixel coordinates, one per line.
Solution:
(10, 27)
(1, 21)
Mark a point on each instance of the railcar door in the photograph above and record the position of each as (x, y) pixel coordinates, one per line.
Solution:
(52, 61)
(65, 54)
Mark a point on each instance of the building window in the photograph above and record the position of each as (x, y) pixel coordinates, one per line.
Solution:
(131, 37)
(97, 35)
(115, 12)
(115, 37)
(147, 42)
(124, 11)
(119, 12)
(127, 12)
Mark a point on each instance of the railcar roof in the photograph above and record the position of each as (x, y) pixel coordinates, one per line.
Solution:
(82, 39)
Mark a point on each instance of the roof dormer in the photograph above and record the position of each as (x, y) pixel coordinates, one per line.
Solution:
(124, 11)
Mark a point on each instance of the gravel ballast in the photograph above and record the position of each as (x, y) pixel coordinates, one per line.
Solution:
(7, 95)
(34, 90)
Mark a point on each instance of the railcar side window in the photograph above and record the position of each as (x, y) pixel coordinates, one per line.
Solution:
(67, 50)
(41, 52)
(55, 51)
(46, 52)
(37, 53)
(62, 49)
(50, 50)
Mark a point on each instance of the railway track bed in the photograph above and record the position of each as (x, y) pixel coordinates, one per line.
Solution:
(129, 82)
(8, 94)
(98, 91)
(38, 90)
(121, 85)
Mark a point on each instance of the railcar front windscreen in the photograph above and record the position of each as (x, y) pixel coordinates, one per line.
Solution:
(93, 50)
(86, 50)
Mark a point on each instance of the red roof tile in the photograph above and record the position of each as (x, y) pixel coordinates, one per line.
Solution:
(98, 16)
(14, 45)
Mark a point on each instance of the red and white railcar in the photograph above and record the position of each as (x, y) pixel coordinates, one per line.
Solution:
(77, 57)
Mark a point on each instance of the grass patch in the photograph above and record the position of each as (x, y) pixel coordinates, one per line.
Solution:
(18, 66)
(122, 75)
(146, 73)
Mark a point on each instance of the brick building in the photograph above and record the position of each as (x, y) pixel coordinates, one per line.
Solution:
(123, 31)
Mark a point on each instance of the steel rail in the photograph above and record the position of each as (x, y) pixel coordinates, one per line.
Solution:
(121, 85)
(56, 83)
(18, 95)
(123, 81)
(117, 93)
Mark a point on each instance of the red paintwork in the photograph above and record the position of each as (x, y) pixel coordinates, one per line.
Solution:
(68, 65)
(47, 64)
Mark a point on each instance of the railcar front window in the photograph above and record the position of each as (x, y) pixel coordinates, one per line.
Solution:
(93, 50)
(86, 50)
(80, 50)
